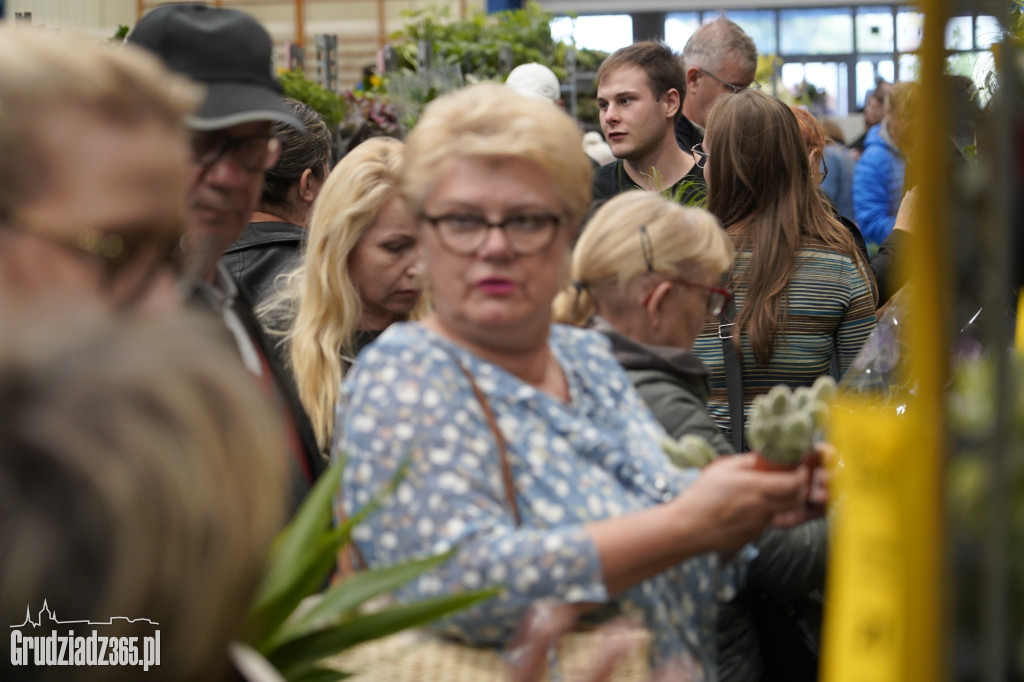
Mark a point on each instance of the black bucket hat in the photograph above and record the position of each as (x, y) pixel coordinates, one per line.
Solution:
(225, 50)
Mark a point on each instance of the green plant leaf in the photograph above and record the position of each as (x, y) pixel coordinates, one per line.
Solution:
(320, 675)
(305, 552)
(311, 521)
(352, 592)
(303, 653)
(328, 104)
(309, 572)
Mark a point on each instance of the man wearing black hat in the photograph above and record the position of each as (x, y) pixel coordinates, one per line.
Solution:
(229, 53)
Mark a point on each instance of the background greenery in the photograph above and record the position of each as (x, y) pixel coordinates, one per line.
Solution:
(480, 47)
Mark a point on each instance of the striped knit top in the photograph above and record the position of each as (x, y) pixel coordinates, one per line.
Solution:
(830, 303)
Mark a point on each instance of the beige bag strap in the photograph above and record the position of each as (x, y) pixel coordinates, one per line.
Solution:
(506, 469)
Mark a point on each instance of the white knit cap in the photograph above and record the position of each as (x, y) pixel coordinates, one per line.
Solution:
(535, 81)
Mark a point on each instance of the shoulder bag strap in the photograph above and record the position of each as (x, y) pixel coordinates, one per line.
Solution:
(733, 374)
(506, 469)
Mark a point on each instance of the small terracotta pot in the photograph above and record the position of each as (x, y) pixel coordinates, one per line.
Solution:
(762, 463)
(811, 459)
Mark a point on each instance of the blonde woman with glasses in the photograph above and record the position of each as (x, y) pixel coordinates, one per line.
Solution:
(648, 274)
(528, 450)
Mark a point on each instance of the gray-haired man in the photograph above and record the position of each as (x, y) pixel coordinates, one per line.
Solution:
(718, 58)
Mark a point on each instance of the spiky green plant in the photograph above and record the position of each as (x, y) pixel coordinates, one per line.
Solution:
(688, 192)
(689, 451)
(296, 641)
(784, 424)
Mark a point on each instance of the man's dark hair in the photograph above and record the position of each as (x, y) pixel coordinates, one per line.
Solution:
(298, 152)
(659, 63)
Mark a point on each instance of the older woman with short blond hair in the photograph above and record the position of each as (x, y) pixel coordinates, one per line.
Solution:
(528, 450)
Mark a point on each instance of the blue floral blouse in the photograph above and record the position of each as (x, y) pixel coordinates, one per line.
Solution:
(595, 457)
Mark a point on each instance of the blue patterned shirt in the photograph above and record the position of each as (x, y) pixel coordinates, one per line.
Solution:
(595, 457)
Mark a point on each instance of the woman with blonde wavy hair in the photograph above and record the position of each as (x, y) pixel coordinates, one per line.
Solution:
(359, 274)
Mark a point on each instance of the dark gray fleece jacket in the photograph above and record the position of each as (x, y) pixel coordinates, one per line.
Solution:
(791, 562)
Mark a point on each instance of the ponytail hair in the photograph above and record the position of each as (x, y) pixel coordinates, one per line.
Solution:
(574, 305)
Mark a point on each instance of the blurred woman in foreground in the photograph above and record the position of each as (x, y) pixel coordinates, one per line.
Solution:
(527, 447)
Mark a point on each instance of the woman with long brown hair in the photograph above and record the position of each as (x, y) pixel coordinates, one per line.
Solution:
(803, 292)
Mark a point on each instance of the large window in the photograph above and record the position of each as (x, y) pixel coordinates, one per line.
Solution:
(759, 25)
(875, 32)
(679, 27)
(815, 31)
(836, 54)
(607, 32)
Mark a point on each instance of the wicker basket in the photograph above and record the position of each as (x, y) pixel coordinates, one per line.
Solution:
(417, 656)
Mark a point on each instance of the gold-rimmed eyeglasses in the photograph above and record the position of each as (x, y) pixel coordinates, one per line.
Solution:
(130, 261)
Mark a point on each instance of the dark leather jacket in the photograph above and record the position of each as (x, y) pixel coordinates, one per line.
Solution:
(227, 302)
(264, 251)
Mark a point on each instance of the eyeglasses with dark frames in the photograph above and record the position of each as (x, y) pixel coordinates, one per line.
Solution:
(527, 234)
(252, 152)
(700, 157)
(733, 88)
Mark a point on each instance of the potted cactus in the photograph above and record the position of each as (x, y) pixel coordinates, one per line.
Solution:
(785, 424)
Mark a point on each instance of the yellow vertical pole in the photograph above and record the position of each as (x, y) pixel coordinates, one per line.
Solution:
(886, 614)
(300, 24)
(1019, 333)
(382, 25)
(929, 262)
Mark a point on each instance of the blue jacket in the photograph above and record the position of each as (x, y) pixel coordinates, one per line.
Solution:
(878, 185)
(838, 184)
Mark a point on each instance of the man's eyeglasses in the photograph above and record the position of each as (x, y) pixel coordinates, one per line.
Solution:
(252, 152)
(464, 234)
(733, 87)
(700, 157)
(130, 262)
